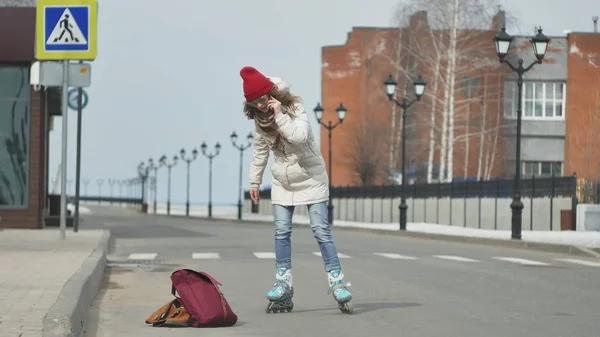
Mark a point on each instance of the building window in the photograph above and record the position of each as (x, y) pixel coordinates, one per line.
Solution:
(540, 100)
(14, 137)
(542, 168)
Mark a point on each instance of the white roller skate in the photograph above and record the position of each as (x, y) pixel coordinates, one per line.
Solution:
(337, 286)
(280, 297)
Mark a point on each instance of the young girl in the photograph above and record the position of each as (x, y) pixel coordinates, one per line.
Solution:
(299, 178)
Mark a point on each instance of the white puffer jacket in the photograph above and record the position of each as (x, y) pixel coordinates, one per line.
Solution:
(299, 176)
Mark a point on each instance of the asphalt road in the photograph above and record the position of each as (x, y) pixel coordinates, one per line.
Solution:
(401, 286)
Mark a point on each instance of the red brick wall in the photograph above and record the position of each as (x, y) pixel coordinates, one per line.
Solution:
(582, 154)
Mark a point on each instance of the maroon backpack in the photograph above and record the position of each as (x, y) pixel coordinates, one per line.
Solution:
(200, 295)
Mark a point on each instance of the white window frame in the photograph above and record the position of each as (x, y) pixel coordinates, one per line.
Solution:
(511, 99)
(538, 168)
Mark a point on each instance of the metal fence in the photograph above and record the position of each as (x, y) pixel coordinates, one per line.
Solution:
(478, 204)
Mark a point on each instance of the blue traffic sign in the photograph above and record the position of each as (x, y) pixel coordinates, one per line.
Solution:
(72, 101)
(66, 29)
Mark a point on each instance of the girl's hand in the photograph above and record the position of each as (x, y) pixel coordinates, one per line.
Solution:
(275, 105)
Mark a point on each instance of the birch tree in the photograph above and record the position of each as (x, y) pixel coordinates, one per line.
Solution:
(453, 44)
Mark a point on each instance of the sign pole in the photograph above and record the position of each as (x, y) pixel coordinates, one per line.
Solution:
(65, 126)
(78, 164)
(66, 30)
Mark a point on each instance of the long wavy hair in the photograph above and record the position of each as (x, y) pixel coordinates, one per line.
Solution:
(286, 98)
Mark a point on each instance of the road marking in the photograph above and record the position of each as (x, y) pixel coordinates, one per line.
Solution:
(395, 256)
(455, 258)
(197, 256)
(340, 255)
(583, 262)
(265, 255)
(522, 261)
(142, 256)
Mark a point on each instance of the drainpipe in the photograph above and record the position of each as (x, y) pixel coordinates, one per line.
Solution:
(595, 19)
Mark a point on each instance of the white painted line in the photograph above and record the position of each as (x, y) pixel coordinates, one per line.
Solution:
(265, 255)
(455, 258)
(522, 261)
(583, 262)
(340, 255)
(142, 256)
(198, 256)
(395, 256)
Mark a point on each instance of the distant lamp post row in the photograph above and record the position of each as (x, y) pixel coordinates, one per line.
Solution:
(341, 114)
(540, 44)
(241, 147)
(210, 157)
(390, 88)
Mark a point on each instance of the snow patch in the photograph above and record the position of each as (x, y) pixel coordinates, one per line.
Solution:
(591, 57)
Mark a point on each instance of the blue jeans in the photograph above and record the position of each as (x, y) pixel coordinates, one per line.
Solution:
(320, 227)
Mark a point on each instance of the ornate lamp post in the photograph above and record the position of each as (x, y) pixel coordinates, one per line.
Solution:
(163, 161)
(155, 168)
(234, 137)
(210, 157)
(390, 87)
(341, 114)
(143, 172)
(503, 43)
(188, 161)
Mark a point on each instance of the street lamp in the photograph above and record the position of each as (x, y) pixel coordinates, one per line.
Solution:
(503, 43)
(188, 161)
(163, 161)
(143, 171)
(234, 137)
(341, 114)
(210, 157)
(155, 167)
(390, 88)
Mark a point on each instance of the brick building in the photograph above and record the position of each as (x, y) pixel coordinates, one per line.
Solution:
(24, 121)
(557, 105)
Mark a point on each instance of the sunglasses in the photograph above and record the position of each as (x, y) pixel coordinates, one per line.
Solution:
(261, 100)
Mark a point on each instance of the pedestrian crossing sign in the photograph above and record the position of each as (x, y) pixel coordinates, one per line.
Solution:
(66, 29)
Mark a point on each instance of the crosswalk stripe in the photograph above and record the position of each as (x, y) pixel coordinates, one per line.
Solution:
(582, 262)
(340, 255)
(197, 256)
(142, 256)
(265, 255)
(395, 256)
(455, 258)
(521, 261)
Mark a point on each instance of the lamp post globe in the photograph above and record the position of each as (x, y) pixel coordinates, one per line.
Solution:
(419, 85)
(503, 41)
(390, 86)
(318, 112)
(341, 112)
(540, 45)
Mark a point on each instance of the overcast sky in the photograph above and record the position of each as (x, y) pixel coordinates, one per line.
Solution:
(167, 77)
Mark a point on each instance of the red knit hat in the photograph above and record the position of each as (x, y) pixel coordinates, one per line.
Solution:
(255, 83)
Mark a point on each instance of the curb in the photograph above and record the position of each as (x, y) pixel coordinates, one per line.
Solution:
(518, 244)
(66, 317)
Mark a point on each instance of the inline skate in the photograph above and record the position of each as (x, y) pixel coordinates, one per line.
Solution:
(337, 286)
(280, 297)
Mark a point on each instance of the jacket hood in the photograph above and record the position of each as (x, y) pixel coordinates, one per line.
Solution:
(280, 83)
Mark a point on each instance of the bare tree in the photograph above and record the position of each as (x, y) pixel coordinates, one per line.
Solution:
(365, 151)
(452, 42)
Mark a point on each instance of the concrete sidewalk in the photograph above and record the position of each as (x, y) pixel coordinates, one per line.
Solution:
(47, 284)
